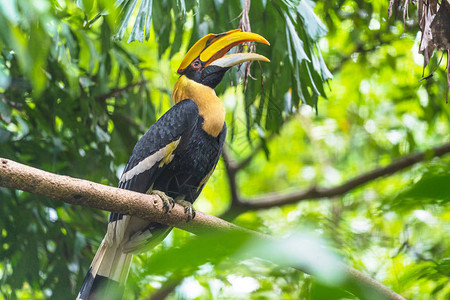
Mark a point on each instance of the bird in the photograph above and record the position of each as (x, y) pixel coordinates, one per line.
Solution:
(174, 159)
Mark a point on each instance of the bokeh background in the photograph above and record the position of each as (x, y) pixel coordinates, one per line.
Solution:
(81, 81)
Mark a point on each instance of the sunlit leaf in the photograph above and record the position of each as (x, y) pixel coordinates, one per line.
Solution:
(200, 250)
(431, 188)
(315, 26)
(303, 251)
(142, 24)
(127, 10)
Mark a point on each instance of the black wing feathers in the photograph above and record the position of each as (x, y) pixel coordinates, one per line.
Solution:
(178, 122)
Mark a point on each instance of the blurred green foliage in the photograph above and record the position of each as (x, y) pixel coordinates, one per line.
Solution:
(75, 97)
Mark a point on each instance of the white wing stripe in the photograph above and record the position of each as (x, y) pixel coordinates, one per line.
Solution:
(147, 163)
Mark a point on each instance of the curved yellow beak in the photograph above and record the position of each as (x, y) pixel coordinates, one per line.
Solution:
(214, 46)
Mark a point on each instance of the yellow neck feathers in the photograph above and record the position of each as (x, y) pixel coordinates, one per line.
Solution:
(209, 106)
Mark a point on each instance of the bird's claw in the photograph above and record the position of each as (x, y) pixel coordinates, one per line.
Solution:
(189, 210)
(168, 202)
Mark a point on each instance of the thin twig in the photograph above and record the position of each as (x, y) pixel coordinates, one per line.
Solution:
(117, 92)
(232, 168)
(244, 25)
(274, 200)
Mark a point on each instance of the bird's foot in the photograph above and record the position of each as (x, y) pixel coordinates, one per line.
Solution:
(168, 202)
(189, 210)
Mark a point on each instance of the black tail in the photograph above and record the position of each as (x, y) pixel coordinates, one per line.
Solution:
(107, 275)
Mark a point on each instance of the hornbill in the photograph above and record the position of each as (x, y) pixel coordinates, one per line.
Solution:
(173, 159)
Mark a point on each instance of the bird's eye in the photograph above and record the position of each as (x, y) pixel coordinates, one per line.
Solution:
(196, 64)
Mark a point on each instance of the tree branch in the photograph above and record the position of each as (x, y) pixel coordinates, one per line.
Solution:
(90, 194)
(272, 200)
(118, 91)
(232, 168)
(86, 193)
(166, 289)
(231, 175)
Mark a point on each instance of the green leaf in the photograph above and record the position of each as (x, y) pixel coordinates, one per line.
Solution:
(86, 82)
(177, 40)
(301, 250)
(5, 80)
(5, 111)
(198, 251)
(142, 22)
(444, 265)
(314, 25)
(431, 188)
(182, 6)
(85, 5)
(5, 136)
(321, 291)
(128, 7)
(326, 74)
(296, 43)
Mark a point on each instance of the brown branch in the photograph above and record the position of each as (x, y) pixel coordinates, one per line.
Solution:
(86, 193)
(231, 170)
(272, 200)
(119, 91)
(94, 195)
(167, 288)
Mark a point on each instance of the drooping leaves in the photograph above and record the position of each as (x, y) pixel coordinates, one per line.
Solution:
(434, 23)
(266, 106)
